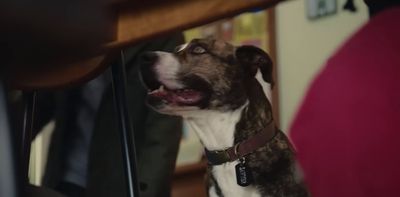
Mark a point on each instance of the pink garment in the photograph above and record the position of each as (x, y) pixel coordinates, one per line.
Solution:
(347, 131)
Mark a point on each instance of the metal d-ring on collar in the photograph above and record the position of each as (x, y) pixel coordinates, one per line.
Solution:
(236, 150)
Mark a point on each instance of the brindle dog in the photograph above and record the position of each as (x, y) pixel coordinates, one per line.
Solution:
(212, 85)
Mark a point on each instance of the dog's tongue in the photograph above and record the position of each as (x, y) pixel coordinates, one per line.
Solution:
(188, 96)
(180, 97)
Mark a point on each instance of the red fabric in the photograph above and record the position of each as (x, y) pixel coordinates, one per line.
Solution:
(347, 131)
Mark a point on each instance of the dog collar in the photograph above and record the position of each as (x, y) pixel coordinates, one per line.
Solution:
(243, 148)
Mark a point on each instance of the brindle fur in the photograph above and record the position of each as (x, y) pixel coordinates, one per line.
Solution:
(229, 75)
(272, 165)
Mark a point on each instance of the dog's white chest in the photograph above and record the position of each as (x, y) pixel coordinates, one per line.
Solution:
(216, 131)
(225, 175)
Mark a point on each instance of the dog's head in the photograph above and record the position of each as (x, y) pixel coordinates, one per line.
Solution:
(203, 74)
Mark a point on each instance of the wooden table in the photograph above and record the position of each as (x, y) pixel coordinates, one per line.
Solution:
(70, 61)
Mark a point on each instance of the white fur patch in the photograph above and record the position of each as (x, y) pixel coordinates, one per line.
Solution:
(216, 131)
(181, 47)
(212, 192)
(266, 86)
(167, 68)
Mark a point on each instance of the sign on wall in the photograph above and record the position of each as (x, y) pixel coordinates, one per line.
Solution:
(320, 8)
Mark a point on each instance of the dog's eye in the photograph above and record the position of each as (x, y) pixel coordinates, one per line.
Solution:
(198, 50)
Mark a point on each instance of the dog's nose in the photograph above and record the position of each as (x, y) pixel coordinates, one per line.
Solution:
(148, 58)
(147, 61)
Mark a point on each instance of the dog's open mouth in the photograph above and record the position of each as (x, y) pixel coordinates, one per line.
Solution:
(187, 96)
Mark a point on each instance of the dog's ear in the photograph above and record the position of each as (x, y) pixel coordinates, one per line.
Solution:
(252, 59)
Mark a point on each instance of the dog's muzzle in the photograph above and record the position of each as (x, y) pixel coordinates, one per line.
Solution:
(159, 92)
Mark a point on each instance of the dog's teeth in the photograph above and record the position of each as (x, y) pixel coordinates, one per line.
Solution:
(161, 88)
(152, 92)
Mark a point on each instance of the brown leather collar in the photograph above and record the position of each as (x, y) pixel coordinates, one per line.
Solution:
(243, 148)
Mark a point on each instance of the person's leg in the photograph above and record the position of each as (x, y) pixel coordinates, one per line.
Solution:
(70, 189)
(8, 178)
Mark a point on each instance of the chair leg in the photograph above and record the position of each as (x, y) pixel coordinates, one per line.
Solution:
(8, 172)
(125, 126)
(29, 114)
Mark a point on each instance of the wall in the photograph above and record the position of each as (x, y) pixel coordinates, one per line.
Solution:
(304, 45)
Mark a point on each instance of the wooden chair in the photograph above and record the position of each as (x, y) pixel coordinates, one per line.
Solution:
(62, 62)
